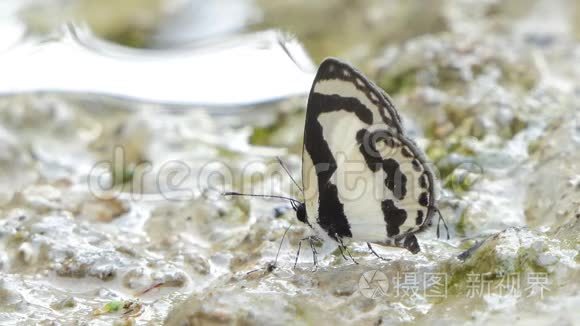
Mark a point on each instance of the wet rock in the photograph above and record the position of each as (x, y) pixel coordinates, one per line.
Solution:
(16, 169)
(42, 197)
(66, 303)
(198, 263)
(553, 199)
(137, 278)
(10, 299)
(489, 97)
(103, 210)
(516, 251)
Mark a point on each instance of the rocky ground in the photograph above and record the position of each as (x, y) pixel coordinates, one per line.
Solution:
(488, 89)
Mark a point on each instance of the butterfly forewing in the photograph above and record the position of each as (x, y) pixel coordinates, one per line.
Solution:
(335, 78)
(363, 178)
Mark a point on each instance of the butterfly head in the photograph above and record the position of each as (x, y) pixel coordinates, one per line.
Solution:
(301, 212)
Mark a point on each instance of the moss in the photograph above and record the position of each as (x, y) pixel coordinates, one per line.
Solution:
(113, 306)
(460, 226)
(520, 76)
(399, 82)
(462, 122)
(488, 262)
(436, 150)
(261, 135)
(448, 160)
(276, 133)
(468, 243)
(451, 148)
(457, 146)
(517, 124)
(227, 153)
(109, 307)
(122, 176)
(534, 146)
(18, 237)
(451, 140)
(514, 126)
(461, 181)
(450, 79)
(66, 303)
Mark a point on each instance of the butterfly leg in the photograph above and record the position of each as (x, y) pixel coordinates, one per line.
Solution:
(342, 252)
(311, 241)
(341, 246)
(298, 253)
(348, 252)
(375, 253)
(314, 252)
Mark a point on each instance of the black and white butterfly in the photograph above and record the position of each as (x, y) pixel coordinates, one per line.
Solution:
(364, 179)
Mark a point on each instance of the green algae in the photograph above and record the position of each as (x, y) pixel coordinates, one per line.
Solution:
(400, 82)
(515, 251)
(282, 132)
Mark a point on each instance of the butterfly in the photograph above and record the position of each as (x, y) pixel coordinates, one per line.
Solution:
(363, 178)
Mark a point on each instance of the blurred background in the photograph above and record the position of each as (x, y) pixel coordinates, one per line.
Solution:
(327, 27)
(103, 101)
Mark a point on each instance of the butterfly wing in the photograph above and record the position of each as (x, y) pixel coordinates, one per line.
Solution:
(363, 178)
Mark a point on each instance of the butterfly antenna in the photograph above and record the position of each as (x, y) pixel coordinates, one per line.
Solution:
(444, 224)
(232, 193)
(281, 242)
(288, 172)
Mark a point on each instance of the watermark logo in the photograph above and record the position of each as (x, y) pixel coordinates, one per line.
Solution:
(373, 284)
(177, 180)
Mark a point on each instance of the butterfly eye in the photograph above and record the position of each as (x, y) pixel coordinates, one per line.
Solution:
(301, 213)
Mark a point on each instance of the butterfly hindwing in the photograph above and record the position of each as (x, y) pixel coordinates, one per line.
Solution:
(363, 178)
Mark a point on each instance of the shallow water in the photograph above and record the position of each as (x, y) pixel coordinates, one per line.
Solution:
(114, 215)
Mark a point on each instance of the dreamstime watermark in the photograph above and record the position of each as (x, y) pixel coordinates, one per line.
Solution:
(375, 284)
(180, 180)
